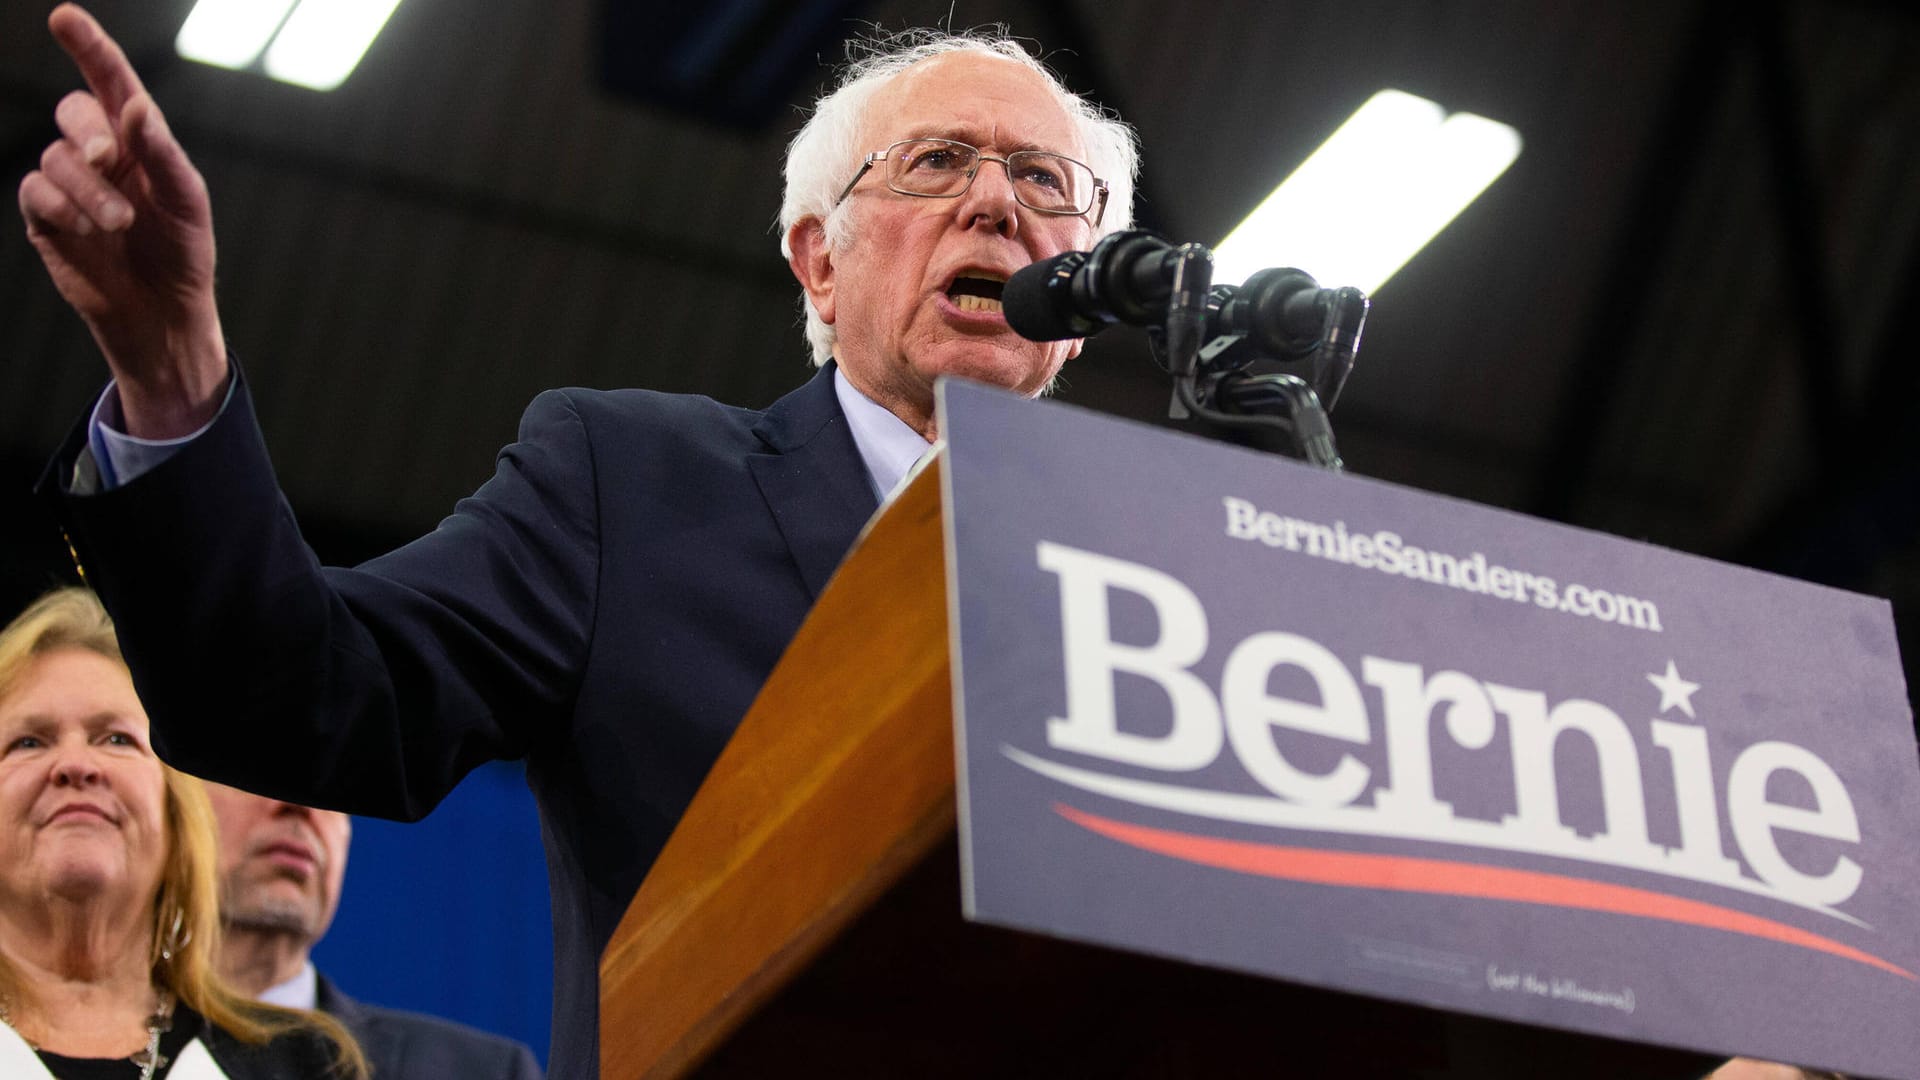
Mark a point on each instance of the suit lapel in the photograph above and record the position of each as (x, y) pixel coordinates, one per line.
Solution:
(329, 999)
(375, 1039)
(813, 479)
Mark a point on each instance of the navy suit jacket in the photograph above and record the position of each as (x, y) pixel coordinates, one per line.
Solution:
(408, 1046)
(606, 606)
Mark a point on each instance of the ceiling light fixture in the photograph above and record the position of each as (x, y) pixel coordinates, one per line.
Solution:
(230, 33)
(317, 46)
(324, 39)
(1372, 195)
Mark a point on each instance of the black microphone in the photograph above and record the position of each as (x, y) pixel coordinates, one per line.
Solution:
(1127, 277)
(1281, 312)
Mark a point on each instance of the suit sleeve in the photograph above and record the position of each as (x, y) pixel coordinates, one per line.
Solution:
(371, 690)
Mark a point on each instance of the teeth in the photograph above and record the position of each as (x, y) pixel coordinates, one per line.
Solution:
(969, 302)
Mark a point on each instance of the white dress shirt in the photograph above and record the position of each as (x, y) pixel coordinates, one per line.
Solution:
(300, 992)
(887, 446)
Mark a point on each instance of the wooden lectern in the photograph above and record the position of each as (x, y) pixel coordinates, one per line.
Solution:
(805, 860)
(839, 779)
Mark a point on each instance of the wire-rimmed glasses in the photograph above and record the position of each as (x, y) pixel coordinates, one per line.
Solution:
(944, 169)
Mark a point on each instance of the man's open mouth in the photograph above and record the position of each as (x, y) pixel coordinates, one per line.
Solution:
(976, 292)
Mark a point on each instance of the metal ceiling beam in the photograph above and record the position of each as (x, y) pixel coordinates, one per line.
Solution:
(1844, 526)
(208, 146)
(1862, 505)
(1646, 234)
(1798, 210)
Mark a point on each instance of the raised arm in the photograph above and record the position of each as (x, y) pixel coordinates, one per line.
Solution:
(121, 219)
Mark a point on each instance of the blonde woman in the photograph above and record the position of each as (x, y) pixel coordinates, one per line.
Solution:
(108, 896)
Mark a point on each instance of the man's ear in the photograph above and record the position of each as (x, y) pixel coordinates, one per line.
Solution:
(812, 264)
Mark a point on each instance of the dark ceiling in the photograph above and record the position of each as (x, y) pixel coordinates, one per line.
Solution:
(1683, 315)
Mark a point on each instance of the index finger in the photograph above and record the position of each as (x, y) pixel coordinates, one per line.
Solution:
(108, 72)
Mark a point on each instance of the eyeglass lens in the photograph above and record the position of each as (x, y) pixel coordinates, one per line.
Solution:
(1041, 180)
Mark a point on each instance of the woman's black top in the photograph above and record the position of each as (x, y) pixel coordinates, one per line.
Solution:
(187, 1024)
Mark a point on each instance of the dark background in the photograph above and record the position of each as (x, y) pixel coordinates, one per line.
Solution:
(1684, 315)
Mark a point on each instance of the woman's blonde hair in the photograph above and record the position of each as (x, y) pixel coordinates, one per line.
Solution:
(186, 905)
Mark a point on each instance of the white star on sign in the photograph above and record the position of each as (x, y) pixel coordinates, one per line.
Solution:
(1674, 690)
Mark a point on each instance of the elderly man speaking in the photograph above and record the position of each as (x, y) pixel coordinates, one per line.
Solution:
(608, 604)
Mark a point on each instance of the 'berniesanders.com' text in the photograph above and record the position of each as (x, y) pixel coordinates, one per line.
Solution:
(1385, 551)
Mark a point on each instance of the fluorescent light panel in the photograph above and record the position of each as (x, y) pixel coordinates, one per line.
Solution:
(230, 33)
(316, 47)
(1372, 195)
(324, 39)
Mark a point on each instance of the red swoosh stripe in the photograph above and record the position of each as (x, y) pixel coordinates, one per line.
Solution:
(1397, 873)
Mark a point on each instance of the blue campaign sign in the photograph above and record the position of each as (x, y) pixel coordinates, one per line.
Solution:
(1219, 706)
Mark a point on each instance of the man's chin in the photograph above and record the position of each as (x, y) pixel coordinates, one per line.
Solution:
(272, 915)
(1018, 370)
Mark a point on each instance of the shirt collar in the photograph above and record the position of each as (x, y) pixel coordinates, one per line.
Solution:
(300, 992)
(887, 445)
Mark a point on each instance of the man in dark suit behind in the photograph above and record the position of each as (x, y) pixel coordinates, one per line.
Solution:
(281, 869)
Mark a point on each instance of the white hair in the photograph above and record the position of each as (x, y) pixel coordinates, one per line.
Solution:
(827, 151)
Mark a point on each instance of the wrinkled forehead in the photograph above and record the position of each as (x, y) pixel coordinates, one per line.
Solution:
(989, 101)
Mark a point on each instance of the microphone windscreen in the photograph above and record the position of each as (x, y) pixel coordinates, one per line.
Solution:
(1037, 300)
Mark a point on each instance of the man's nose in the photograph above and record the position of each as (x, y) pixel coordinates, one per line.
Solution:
(990, 197)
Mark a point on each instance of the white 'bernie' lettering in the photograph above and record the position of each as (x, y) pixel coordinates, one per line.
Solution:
(1245, 715)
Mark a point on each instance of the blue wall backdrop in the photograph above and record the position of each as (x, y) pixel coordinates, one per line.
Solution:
(450, 915)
